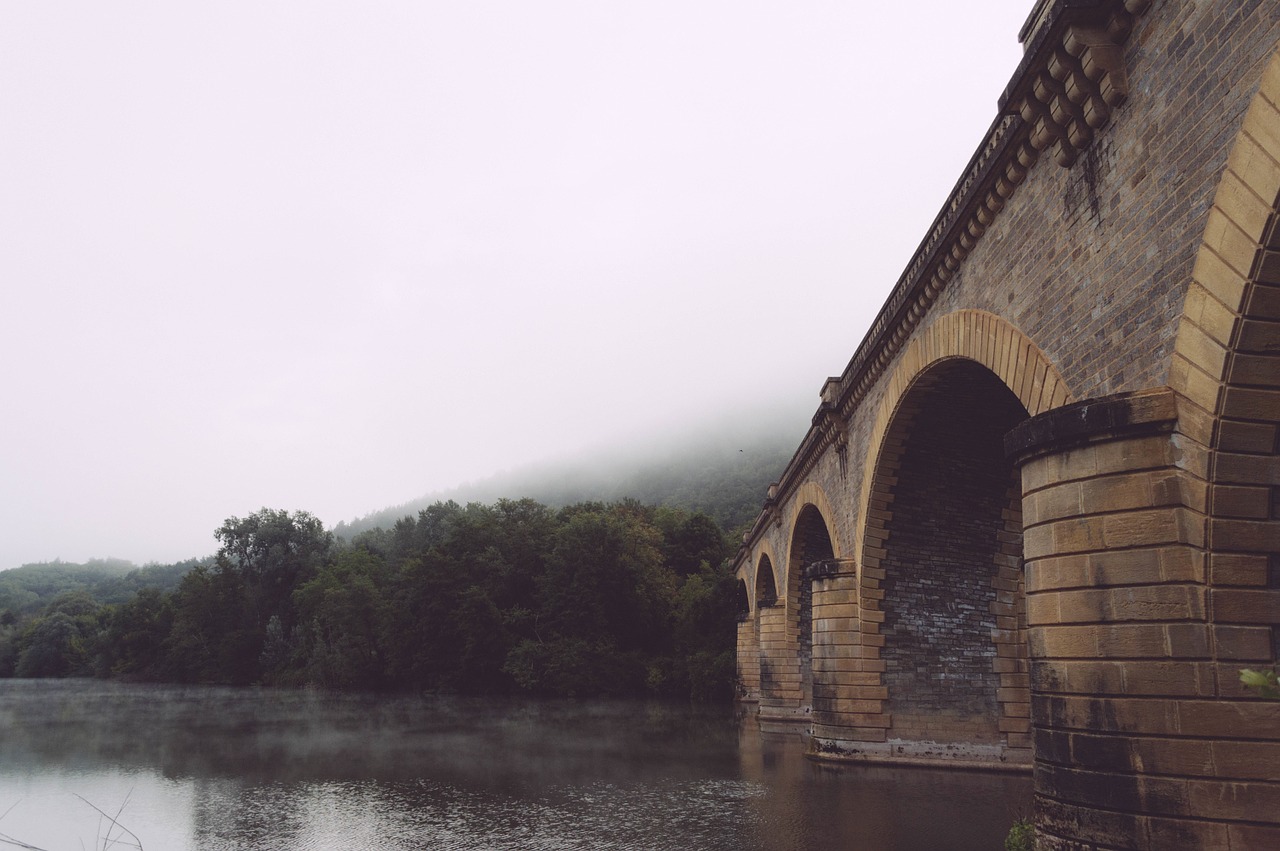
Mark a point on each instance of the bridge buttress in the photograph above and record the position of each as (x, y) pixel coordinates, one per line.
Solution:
(1113, 506)
(839, 687)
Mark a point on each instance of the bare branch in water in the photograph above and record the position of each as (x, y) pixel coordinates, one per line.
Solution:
(5, 839)
(137, 843)
(108, 841)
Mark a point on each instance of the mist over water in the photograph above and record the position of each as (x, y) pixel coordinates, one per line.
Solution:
(222, 768)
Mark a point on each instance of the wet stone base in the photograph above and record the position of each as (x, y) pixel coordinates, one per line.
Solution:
(783, 711)
(984, 757)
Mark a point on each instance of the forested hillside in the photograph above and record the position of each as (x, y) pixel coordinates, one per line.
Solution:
(30, 587)
(722, 476)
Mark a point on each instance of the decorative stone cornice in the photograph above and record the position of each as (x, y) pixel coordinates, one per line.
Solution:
(1066, 88)
(1073, 75)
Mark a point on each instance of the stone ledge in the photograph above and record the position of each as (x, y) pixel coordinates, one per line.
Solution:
(933, 755)
(829, 569)
(1149, 411)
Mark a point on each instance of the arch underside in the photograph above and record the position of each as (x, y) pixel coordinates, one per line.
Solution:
(943, 603)
(810, 549)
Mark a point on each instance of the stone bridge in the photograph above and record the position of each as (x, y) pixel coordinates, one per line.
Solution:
(1036, 521)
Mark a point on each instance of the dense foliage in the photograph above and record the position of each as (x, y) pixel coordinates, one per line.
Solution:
(616, 599)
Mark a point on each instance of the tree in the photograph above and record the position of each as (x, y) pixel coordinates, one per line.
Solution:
(1264, 683)
(216, 637)
(274, 552)
(342, 614)
(690, 540)
(63, 641)
(268, 554)
(53, 648)
(136, 633)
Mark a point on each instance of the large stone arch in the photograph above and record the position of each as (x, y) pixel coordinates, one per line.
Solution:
(1230, 266)
(769, 675)
(969, 344)
(811, 493)
(975, 335)
(1226, 373)
(942, 572)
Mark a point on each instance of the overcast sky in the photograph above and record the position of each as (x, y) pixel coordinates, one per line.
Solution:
(332, 255)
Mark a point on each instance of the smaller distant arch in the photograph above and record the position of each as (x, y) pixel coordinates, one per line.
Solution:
(766, 582)
(811, 496)
(741, 600)
(811, 538)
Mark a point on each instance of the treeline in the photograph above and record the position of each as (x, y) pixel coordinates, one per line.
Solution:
(28, 589)
(593, 599)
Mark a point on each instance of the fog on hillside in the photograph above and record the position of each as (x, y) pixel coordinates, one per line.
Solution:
(722, 467)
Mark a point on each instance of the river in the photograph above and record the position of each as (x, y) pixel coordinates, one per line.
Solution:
(207, 768)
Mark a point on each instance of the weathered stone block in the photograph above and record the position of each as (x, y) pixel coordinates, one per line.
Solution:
(1244, 643)
(1231, 605)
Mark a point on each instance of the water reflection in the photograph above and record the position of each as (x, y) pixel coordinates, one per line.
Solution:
(213, 768)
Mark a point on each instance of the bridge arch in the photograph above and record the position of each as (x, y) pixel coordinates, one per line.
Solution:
(942, 581)
(1226, 371)
(761, 637)
(811, 495)
(1229, 292)
(810, 545)
(983, 338)
(765, 585)
(741, 599)
(939, 540)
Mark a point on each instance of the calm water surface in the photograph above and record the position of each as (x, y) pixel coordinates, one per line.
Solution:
(221, 768)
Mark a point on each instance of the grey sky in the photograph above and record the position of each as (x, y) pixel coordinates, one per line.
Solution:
(331, 256)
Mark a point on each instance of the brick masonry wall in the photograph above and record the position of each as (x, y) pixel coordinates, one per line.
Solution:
(748, 649)
(1092, 261)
